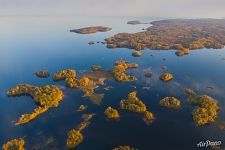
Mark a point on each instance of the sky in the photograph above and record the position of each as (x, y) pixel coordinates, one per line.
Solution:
(152, 8)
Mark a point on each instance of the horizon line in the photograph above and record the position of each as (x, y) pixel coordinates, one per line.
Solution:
(170, 17)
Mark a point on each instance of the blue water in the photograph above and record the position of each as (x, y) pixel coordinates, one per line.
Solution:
(31, 43)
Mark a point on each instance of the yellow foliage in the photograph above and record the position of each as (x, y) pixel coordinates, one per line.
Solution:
(111, 113)
(84, 81)
(83, 125)
(71, 82)
(87, 83)
(25, 118)
(136, 53)
(183, 51)
(133, 103)
(119, 71)
(173, 34)
(63, 74)
(46, 96)
(133, 96)
(201, 116)
(15, 144)
(166, 77)
(86, 122)
(74, 138)
(21, 89)
(207, 110)
(88, 117)
(148, 117)
(82, 107)
(124, 147)
(170, 102)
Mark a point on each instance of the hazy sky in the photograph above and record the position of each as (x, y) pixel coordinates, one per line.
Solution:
(158, 8)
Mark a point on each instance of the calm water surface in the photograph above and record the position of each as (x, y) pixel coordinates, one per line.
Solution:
(30, 43)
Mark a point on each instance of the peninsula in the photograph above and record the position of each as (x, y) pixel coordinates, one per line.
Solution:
(179, 34)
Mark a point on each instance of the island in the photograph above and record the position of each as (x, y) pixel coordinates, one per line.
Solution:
(42, 74)
(25, 118)
(119, 71)
(15, 144)
(91, 43)
(207, 110)
(133, 103)
(48, 96)
(182, 51)
(148, 117)
(96, 68)
(74, 138)
(82, 107)
(170, 102)
(86, 83)
(64, 74)
(136, 22)
(177, 34)
(90, 30)
(86, 121)
(189, 92)
(136, 53)
(87, 117)
(124, 147)
(166, 77)
(112, 113)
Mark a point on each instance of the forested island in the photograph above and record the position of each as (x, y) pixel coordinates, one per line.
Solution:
(179, 34)
(89, 30)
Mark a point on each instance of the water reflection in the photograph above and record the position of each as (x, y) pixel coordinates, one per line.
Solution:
(29, 44)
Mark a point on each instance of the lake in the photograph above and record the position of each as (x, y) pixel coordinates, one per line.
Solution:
(31, 43)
